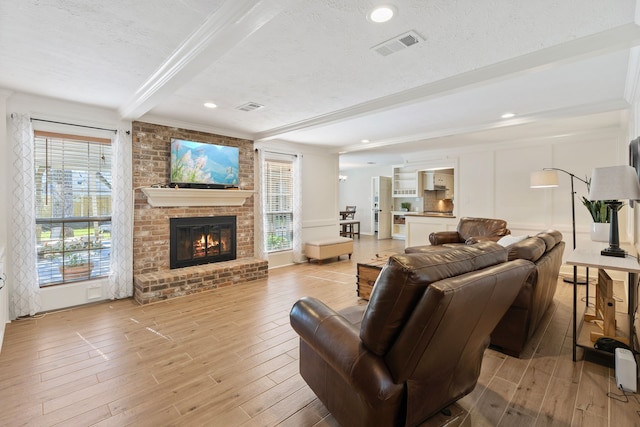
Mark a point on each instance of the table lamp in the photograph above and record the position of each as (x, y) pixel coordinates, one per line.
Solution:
(612, 184)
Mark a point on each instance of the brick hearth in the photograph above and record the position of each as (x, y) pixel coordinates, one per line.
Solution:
(153, 287)
(153, 279)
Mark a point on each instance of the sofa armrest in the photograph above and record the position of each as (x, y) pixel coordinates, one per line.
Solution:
(442, 237)
(337, 342)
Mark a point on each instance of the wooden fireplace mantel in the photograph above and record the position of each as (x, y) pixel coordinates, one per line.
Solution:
(165, 197)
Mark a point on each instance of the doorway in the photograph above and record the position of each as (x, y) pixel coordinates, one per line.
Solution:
(381, 206)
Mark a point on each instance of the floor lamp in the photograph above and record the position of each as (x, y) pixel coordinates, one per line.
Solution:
(546, 178)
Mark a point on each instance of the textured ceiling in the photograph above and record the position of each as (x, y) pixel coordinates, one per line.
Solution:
(310, 63)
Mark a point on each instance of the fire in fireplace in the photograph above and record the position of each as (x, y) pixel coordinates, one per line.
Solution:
(201, 240)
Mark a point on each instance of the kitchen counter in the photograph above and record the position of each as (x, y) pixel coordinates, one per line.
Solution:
(430, 214)
(418, 226)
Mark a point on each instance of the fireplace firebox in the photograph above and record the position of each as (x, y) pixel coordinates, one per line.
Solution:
(201, 240)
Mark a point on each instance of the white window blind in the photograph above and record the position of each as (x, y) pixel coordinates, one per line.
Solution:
(73, 207)
(279, 203)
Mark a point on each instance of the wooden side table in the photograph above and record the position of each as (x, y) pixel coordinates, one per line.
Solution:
(367, 273)
(604, 315)
(588, 255)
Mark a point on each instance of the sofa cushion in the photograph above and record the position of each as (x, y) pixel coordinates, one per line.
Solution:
(551, 238)
(530, 249)
(431, 249)
(404, 279)
(482, 227)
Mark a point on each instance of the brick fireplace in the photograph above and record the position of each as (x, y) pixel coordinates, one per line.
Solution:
(154, 280)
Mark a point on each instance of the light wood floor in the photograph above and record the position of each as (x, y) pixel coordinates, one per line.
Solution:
(229, 358)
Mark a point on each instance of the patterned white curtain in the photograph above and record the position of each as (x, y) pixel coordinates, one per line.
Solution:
(121, 275)
(24, 297)
(260, 208)
(298, 253)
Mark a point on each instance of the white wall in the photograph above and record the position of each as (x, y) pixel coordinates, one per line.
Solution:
(319, 193)
(494, 181)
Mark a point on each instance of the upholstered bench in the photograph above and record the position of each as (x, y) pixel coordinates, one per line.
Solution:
(328, 248)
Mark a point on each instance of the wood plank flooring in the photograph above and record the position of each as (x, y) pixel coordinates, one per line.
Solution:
(229, 358)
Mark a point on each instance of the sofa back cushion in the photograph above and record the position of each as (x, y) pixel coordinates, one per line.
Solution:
(547, 270)
(440, 349)
(404, 279)
(551, 238)
(463, 301)
(531, 249)
(482, 227)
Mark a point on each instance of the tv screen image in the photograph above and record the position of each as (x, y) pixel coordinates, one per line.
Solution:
(201, 163)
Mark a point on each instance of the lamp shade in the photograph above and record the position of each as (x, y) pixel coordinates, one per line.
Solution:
(614, 183)
(544, 178)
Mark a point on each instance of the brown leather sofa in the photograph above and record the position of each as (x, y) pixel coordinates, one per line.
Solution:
(477, 229)
(523, 317)
(419, 345)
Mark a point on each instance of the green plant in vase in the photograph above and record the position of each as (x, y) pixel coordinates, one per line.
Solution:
(598, 209)
(601, 215)
(406, 206)
(75, 260)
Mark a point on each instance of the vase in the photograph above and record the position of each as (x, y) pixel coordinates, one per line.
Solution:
(600, 231)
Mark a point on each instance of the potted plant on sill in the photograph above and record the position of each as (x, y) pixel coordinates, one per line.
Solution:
(601, 216)
(76, 266)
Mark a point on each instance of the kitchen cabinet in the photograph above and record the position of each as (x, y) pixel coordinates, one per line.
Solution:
(434, 180)
(448, 179)
(439, 181)
(405, 181)
(398, 227)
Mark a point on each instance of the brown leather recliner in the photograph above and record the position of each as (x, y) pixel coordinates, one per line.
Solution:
(478, 229)
(419, 346)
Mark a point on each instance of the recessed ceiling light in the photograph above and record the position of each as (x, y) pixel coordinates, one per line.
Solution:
(381, 14)
(364, 141)
(508, 115)
(210, 105)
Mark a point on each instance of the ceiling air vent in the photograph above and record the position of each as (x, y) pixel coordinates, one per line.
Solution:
(397, 43)
(250, 106)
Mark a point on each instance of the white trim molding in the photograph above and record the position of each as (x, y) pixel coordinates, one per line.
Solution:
(165, 197)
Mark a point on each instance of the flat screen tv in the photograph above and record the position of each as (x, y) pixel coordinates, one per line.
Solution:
(202, 165)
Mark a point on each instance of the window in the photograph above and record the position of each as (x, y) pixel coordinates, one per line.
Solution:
(279, 205)
(73, 207)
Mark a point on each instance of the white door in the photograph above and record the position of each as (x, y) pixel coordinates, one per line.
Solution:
(384, 208)
(375, 193)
